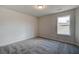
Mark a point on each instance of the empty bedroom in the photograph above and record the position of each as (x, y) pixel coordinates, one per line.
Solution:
(39, 29)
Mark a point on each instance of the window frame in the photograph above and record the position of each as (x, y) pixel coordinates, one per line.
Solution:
(69, 26)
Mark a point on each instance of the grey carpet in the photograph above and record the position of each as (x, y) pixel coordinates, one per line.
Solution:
(39, 46)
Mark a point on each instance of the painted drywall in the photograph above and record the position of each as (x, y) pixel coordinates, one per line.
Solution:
(48, 27)
(15, 26)
(77, 25)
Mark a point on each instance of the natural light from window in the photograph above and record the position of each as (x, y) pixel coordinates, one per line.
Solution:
(63, 25)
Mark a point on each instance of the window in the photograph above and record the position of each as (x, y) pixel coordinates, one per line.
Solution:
(63, 25)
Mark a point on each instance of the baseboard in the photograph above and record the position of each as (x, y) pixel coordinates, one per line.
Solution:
(76, 44)
(16, 41)
(71, 43)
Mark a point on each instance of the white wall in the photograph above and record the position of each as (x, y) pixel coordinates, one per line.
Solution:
(77, 25)
(15, 26)
(48, 27)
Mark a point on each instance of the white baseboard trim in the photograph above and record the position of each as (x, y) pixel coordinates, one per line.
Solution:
(72, 43)
(16, 41)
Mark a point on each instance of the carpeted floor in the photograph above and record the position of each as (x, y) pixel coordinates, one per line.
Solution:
(39, 46)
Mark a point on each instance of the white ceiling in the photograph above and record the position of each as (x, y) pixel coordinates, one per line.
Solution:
(28, 9)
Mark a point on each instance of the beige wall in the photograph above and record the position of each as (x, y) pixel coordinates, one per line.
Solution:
(48, 26)
(16, 26)
(77, 25)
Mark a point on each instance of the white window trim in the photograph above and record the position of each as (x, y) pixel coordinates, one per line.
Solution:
(67, 34)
